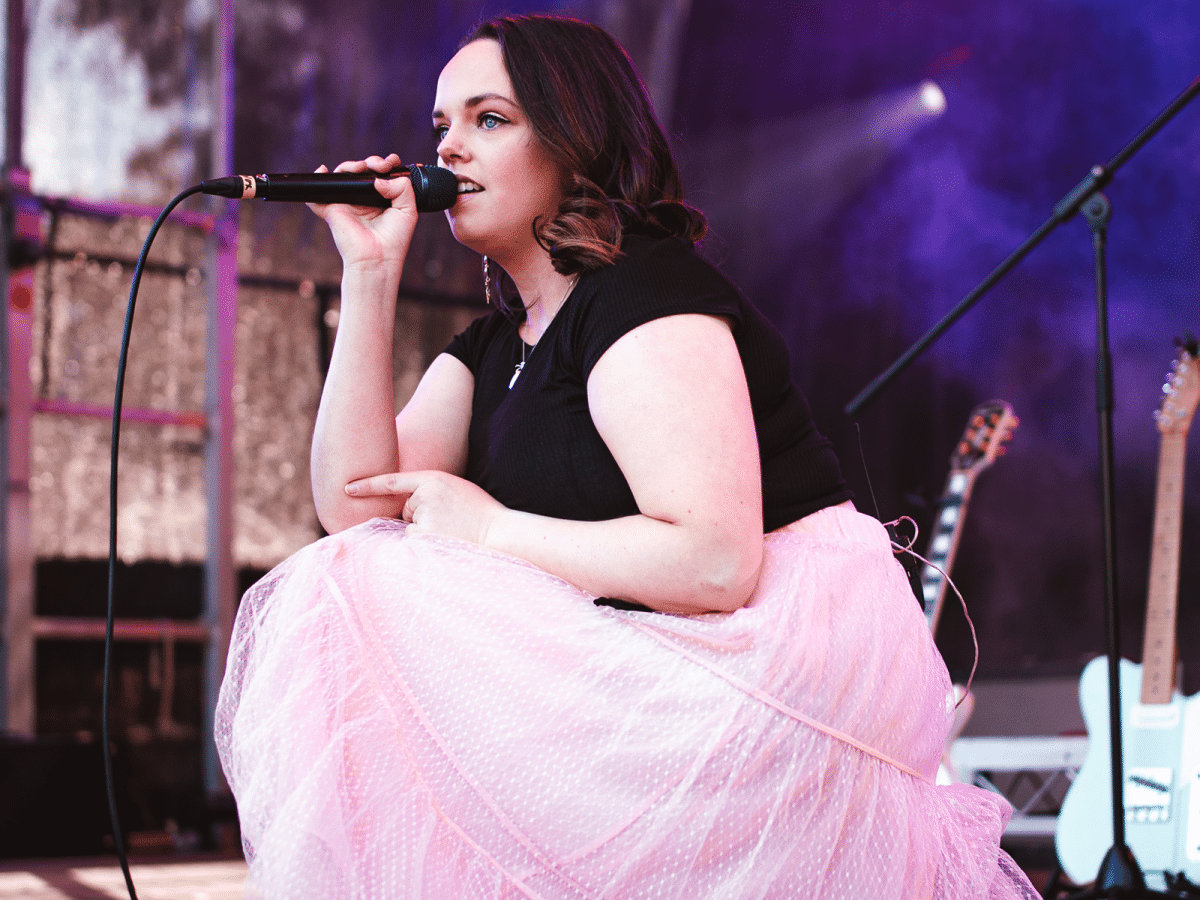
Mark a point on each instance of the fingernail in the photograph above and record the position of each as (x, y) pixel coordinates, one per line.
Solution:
(352, 489)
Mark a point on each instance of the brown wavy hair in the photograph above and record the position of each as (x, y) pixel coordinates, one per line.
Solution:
(590, 110)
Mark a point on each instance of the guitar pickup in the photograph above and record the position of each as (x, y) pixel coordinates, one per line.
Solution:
(1148, 794)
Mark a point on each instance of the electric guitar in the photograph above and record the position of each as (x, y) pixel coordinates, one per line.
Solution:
(1160, 729)
(989, 426)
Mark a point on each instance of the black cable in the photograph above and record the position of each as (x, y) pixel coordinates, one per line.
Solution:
(118, 840)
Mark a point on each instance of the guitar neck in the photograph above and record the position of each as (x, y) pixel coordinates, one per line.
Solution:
(1158, 648)
(943, 544)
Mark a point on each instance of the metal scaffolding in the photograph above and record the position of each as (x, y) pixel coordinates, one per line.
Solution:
(22, 234)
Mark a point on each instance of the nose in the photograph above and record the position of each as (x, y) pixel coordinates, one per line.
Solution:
(451, 145)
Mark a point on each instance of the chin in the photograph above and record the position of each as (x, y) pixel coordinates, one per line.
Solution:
(473, 242)
(461, 233)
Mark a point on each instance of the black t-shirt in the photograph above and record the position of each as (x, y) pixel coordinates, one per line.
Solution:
(535, 448)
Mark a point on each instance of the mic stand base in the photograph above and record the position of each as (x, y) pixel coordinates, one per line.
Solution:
(1121, 879)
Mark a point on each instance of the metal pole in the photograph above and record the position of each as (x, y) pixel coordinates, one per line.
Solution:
(17, 229)
(220, 582)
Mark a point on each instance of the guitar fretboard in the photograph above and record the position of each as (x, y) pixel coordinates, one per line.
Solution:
(1158, 648)
(942, 546)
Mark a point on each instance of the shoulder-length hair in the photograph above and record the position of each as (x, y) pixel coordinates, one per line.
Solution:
(590, 110)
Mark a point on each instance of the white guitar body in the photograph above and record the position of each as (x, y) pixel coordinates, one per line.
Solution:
(1161, 760)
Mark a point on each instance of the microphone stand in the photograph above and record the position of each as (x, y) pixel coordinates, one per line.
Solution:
(1119, 875)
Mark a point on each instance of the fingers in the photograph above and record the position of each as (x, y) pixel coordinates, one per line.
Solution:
(388, 485)
(381, 164)
(392, 188)
(397, 190)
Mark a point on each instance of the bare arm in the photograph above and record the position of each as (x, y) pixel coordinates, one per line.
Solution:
(357, 432)
(670, 400)
(671, 403)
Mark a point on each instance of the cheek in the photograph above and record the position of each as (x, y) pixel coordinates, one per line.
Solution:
(539, 176)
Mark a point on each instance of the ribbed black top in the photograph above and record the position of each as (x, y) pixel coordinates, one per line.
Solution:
(534, 447)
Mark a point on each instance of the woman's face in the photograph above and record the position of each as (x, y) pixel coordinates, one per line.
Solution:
(505, 178)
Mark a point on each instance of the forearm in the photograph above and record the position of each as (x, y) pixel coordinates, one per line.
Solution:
(672, 567)
(355, 432)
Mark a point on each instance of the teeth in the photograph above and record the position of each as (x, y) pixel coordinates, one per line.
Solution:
(464, 188)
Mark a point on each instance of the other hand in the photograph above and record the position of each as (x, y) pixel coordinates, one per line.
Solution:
(438, 503)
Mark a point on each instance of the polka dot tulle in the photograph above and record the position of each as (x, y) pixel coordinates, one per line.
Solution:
(414, 717)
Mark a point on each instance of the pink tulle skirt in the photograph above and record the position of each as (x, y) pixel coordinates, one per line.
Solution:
(414, 717)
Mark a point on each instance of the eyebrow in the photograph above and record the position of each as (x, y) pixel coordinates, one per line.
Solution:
(472, 102)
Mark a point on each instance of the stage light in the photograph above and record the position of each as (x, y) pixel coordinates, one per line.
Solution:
(821, 158)
(932, 98)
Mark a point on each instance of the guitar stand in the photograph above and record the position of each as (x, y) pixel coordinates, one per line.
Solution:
(1119, 875)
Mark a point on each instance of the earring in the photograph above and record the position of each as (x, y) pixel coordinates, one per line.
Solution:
(487, 282)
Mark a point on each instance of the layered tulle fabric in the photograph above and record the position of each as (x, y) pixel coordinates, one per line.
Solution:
(413, 717)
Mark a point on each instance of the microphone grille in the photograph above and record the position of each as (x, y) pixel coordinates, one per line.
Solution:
(435, 188)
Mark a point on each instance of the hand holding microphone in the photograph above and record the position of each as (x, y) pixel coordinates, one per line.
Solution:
(362, 236)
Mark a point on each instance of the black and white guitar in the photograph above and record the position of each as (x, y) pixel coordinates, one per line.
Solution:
(989, 427)
(1160, 729)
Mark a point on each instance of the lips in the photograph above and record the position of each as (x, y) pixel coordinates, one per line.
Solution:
(467, 186)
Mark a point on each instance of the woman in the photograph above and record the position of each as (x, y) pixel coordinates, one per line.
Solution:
(485, 698)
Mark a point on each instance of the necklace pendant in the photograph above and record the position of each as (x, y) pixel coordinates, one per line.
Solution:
(516, 372)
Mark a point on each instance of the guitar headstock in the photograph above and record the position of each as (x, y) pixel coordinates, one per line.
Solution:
(1182, 390)
(989, 427)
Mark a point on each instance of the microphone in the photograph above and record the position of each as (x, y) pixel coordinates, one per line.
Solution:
(435, 188)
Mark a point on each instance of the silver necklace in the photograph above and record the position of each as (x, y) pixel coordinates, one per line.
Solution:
(521, 365)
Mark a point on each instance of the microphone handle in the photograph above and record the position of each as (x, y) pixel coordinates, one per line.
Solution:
(325, 187)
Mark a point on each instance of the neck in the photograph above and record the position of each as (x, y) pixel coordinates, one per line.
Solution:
(543, 292)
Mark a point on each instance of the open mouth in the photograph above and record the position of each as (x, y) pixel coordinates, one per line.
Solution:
(468, 187)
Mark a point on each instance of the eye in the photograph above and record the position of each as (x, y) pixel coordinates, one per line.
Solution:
(490, 121)
(439, 133)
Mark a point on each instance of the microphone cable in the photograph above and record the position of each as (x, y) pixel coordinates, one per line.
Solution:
(435, 189)
(114, 818)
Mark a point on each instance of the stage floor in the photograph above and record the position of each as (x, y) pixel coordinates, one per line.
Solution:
(156, 879)
(101, 879)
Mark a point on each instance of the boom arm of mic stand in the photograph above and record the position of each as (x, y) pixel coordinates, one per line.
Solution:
(1065, 209)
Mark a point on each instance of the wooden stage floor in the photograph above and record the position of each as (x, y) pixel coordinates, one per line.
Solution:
(192, 878)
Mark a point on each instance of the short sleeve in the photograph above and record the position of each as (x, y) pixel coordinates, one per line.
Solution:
(654, 279)
(469, 345)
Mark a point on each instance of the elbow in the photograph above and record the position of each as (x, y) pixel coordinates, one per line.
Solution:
(334, 518)
(727, 576)
(333, 523)
(339, 513)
